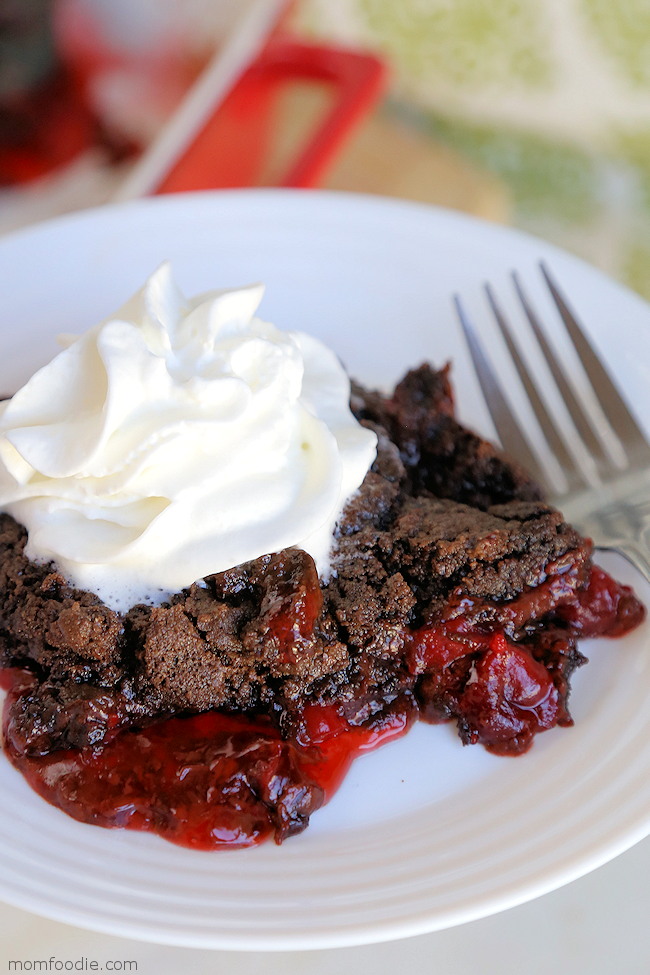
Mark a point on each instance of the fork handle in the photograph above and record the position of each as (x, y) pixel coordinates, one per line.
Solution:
(617, 518)
(636, 554)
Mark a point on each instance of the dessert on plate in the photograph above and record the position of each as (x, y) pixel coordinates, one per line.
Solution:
(225, 572)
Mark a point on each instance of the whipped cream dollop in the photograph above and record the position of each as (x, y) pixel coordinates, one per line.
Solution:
(179, 438)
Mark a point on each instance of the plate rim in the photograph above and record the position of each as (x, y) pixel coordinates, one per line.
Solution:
(398, 929)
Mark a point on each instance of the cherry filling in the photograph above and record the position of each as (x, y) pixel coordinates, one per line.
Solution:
(503, 693)
(605, 606)
(217, 780)
(206, 781)
(291, 606)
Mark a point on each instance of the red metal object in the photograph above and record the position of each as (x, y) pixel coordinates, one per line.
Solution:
(43, 130)
(230, 148)
(47, 128)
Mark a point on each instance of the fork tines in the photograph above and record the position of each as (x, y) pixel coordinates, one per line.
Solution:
(596, 435)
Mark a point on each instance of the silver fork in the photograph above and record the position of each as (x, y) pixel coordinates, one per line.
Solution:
(594, 462)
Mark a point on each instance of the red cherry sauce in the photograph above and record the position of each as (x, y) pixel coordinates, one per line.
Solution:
(505, 695)
(291, 607)
(207, 781)
(604, 607)
(509, 698)
(13, 677)
(223, 781)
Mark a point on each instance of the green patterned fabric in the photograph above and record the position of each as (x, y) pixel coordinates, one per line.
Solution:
(552, 97)
(468, 42)
(546, 178)
(622, 29)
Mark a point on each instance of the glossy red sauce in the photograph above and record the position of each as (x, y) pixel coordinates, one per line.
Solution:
(510, 696)
(605, 606)
(217, 781)
(206, 781)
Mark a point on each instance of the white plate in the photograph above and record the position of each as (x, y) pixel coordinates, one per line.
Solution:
(423, 834)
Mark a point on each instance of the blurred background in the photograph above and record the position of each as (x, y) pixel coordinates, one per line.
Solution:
(545, 104)
(533, 113)
(529, 112)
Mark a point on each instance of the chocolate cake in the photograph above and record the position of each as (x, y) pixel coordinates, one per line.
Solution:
(455, 593)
